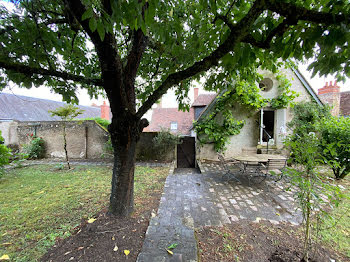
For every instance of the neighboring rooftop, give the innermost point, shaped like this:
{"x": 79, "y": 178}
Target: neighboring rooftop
{"x": 24, "y": 108}
{"x": 177, "y": 122}
{"x": 204, "y": 99}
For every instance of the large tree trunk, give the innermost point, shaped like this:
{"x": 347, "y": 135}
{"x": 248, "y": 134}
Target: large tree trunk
{"x": 125, "y": 132}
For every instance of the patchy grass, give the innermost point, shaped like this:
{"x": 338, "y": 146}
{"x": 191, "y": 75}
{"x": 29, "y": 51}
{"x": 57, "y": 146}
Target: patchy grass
{"x": 40, "y": 204}
{"x": 337, "y": 232}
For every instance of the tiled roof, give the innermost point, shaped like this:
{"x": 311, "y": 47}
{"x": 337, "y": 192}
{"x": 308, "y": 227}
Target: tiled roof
{"x": 204, "y": 99}
{"x": 345, "y": 103}
{"x": 162, "y": 118}
{"x": 24, "y": 108}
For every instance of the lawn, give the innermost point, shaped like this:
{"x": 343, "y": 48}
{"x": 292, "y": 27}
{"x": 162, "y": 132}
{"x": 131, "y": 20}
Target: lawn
{"x": 336, "y": 232}
{"x": 40, "y": 204}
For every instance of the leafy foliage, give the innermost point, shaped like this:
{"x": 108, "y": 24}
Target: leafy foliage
{"x": 286, "y": 96}
{"x": 333, "y": 133}
{"x": 35, "y": 149}
{"x": 102, "y": 122}
{"x": 335, "y": 146}
{"x": 315, "y": 196}
{"x": 306, "y": 115}
{"x": 4, "y": 155}
{"x": 165, "y": 141}
{"x": 66, "y": 113}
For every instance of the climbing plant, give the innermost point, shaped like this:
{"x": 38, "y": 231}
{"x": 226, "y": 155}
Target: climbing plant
{"x": 220, "y": 124}
{"x": 286, "y": 96}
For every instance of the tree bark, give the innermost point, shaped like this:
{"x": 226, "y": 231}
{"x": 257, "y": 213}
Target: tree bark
{"x": 125, "y": 132}
{"x": 65, "y": 144}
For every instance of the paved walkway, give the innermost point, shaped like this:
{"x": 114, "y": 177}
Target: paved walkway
{"x": 192, "y": 200}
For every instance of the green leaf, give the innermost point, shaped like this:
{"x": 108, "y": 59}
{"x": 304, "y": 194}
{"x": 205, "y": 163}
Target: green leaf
{"x": 101, "y": 30}
{"x": 172, "y": 246}
{"x": 87, "y": 14}
{"x": 93, "y": 24}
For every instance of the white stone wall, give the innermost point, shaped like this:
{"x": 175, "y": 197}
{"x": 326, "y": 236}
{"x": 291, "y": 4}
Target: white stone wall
{"x": 9, "y": 132}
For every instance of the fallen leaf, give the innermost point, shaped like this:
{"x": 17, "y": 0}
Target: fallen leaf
{"x": 126, "y": 252}
{"x": 6, "y": 244}
{"x": 172, "y": 246}
{"x": 5, "y": 257}
{"x": 258, "y": 219}
{"x": 41, "y": 192}
{"x": 80, "y": 248}
{"x": 116, "y": 248}
{"x": 278, "y": 214}
{"x": 113, "y": 238}
{"x": 170, "y": 252}
{"x": 91, "y": 220}
{"x": 67, "y": 253}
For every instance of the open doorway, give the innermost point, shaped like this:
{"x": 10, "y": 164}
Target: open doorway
{"x": 269, "y": 125}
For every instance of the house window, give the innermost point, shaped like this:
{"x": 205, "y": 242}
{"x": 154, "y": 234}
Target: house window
{"x": 266, "y": 84}
{"x": 173, "y": 126}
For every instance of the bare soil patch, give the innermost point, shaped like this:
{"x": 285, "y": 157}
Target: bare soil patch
{"x": 108, "y": 237}
{"x": 246, "y": 241}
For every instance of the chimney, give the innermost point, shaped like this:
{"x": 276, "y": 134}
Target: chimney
{"x": 195, "y": 93}
{"x": 105, "y": 111}
{"x": 330, "y": 94}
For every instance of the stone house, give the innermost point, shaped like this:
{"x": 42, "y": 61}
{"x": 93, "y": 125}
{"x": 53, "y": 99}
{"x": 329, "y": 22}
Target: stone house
{"x": 252, "y": 136}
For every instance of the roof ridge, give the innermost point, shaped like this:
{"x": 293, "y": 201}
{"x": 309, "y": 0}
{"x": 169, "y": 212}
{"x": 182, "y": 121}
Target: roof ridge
{"x": 40, "y": 99}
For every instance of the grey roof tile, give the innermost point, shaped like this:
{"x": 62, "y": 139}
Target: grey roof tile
{"x": 24, "y": 108}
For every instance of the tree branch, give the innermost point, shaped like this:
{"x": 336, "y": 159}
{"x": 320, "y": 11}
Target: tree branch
{"x": 110, "y": 61}
{"x": 237, "y": 34}
{"x": 277, "y": 31}
{"x": 29, "y": 71}
{"x": 300, "y": 13}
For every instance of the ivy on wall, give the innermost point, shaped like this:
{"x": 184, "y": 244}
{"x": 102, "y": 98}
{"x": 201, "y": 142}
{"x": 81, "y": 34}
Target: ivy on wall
{"x": 220, "y": 124}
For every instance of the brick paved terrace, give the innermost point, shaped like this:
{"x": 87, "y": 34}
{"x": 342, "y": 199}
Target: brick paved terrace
{"x": 193, "y": 199}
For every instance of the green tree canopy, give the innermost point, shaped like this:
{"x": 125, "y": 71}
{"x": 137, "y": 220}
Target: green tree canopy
{"x": 141, "y": 48}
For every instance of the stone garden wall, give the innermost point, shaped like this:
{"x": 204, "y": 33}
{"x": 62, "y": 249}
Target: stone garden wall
{"x": 85, "y": 140}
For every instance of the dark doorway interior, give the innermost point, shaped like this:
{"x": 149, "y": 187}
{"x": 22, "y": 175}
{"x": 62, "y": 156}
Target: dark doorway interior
{"x": 269, "y": 123}
{"x": 186, "y": 153}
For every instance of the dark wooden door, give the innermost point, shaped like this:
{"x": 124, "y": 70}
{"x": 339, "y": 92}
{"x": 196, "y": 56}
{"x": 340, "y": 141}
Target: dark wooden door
{"x": 186, "y": 153}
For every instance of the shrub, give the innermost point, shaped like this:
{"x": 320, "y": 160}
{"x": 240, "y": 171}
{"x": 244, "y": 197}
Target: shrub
{"x": 103, "y": 122}
{"x": 4, "y": 155}
{"x": 165, "y": 141}
{"x": 313, "y": 195}
{"x": 335, "y": 144}
{"x": 35, "y": 149}
{"x": 305, "y": 117}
